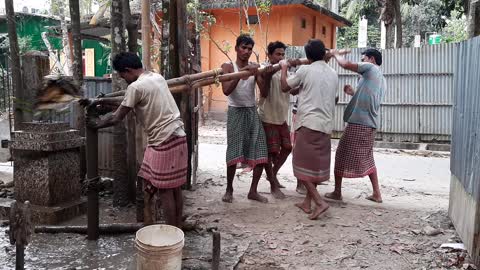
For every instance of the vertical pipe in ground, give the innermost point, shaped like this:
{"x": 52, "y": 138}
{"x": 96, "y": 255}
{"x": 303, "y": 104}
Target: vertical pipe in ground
{"x": 92, "y": 183}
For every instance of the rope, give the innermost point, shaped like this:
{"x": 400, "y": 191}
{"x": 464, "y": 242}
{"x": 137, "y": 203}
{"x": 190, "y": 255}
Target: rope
{"x": 216, "y": 78}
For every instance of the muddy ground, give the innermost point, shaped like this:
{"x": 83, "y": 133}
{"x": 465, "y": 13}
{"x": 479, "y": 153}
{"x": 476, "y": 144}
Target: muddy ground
{"x": 405, "y": 232}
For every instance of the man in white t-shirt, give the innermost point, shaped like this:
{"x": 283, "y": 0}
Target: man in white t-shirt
{"x": 164, "y": 167}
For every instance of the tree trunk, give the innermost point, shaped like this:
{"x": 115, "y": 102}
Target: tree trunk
{"x": 474, "y": 18}
{"x": 78, "y": 77}
{"x": 77, "y": 66}
{"x": 131, "y": 27}
{"x": 134, "y": 185}
{"x": 164, "y": 62}
{"x": 121, "y": 196}
{"x": 388, "y": 17}
{"x": 15, "y": 64}
{"x": 398, "y": 24}
{"x": 65, "y": 38}
{"x": 173, "y": 64}
{"x": 184, "y": 68}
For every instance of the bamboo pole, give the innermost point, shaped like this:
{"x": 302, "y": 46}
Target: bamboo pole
{"x": 194, "y": 77}
{"x": 232, "y": 76}
{"x": 197, "y": 80}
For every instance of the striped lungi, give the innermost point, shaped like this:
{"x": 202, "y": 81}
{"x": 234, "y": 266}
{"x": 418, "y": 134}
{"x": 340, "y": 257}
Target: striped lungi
{"x": 311, "y": 155}
{"x": 354, "y": 156}
{"x": 165, "y": 165}
{"x": 246, "y": 141}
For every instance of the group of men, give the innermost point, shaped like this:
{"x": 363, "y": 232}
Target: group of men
{"x": 258, "y": 134}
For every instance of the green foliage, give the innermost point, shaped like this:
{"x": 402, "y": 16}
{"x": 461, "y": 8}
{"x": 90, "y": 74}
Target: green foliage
{"x": 25, "y": 44}
{"x": 353, "y": 10}
{"x": 455, "y": 29}
{"x": 264, "y": 6}
{"x": 348, "y": 36}
{"x": 424, "y": 16}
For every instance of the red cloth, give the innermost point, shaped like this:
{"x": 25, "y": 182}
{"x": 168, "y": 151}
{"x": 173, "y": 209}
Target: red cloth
{"x": 278, "y": 136}
{"x": 165, "y": 165}
{"x": 354, "y": 156}
{"x": 311, "y": 155}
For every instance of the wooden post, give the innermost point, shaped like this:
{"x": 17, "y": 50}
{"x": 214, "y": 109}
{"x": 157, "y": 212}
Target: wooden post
{"x": 15, "y": 64}
{"x": 216, "y": 248}
{"x": 20, "y": 230}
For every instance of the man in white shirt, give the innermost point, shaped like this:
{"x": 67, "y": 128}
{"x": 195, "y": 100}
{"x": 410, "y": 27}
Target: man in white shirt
{"x": 314, "y": 123}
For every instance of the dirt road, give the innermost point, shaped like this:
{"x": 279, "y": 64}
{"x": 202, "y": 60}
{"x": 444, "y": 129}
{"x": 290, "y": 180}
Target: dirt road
{"x": 404, "y": 232}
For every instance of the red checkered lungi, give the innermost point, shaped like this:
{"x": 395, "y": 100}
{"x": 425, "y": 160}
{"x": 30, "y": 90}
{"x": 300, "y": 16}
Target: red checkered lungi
{"x": 278, "y": 136}
{"x": 354, "y": 156}
{"x": 165, "y": 166}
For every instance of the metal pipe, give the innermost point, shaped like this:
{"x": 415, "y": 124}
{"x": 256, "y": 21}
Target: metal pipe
{"x": 93, "y": 231}
{"x": 19, "y": 257}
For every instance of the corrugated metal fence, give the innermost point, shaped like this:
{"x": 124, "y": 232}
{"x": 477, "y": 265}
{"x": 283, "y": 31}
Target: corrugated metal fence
{"x": 465, "y": 160}
{"x": 418, "y": 102}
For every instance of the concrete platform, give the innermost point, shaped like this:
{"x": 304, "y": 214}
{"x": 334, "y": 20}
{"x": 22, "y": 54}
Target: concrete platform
{"x": 48, "y": 215}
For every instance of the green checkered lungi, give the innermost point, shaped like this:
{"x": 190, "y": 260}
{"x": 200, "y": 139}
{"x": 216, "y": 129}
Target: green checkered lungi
{"x": 246, "y": 141}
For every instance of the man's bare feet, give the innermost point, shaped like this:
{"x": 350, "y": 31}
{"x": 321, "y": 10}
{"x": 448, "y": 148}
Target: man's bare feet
{"x": 304, "y": 208}
{"x": 228, "y": 197}
{"x": 277, "y": 193}
{"x": 278, "y": 182}
{"x": 334, "y": 196}
{"x": 257, "y": 197}
{"x": 377, "y": 199}
{"x": 301, "y": 189}
{"x": 318, "y": 211}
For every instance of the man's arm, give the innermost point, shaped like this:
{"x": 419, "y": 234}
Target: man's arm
{"x": 110, "y": 120}
{"x": 264, "y": 81}
{"x": 228, "y": 86}
{"x": 295, "y": 91}
{"x": 113, "y": 94}
{"x": 344, "y": 63}
{"x": 283, "y": 77}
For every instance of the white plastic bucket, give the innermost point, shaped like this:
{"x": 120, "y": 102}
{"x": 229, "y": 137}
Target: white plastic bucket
{"x": 159, "y": 247}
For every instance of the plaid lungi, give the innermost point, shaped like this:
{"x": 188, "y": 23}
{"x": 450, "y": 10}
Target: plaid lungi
{"x": 278, "y": 137}
{"x": 354, "y": 156}
{"x": 311, "y": 155}
{"x": 246, "y": 141}
{"x": 165, "y": 165}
